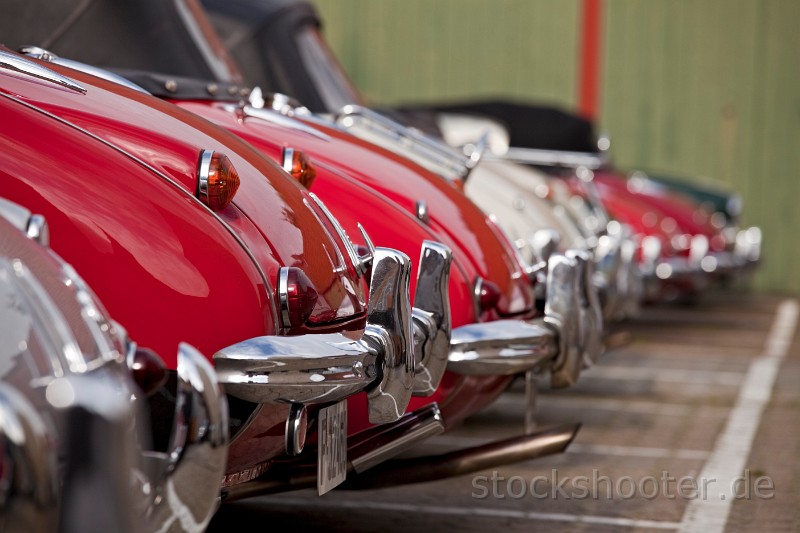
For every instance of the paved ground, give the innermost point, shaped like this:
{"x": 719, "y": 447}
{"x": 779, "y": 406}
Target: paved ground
{"x": 708, "y": 393}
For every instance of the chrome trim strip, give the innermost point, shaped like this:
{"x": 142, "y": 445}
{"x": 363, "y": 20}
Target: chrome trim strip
{"x": 283, "y": 295}
{"x": 427, "y": 151}
{"x": 288, "y": 156}
{"x": 329, "y": 367}
{"x": 46, "y": 55}
{"x": 555, "y": 158}
{"x": 361, "y": 264}
{"x": 27, "y": 67}
{"x": 275, "y": 117}
{"x": 203, "y": 171}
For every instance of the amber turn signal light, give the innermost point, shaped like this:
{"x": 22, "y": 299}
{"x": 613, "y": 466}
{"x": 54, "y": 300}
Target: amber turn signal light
{"x": 299, "y": 165}
{"x": 217, "y": 180}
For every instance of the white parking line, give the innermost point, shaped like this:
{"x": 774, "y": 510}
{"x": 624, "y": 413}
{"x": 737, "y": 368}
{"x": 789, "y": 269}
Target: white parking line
{"x": 709, "y": 514}
{"x": 467, "y": 511}
{"x": 672, "y": 375}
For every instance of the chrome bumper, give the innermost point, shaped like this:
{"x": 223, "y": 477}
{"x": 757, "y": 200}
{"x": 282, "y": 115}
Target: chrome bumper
{"x": 556, "y": 342}
{"x": 331, "y": 367}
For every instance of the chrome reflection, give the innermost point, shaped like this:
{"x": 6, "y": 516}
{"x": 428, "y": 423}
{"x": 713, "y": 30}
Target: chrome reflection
{"x": 501, "y": 347}
{"x": 431, "y": 317}
{"x": 330, "y": 367}
{"x": 193, "y": 467}
{"x": 29, "y": 475}
{"x": 562, "y": 312}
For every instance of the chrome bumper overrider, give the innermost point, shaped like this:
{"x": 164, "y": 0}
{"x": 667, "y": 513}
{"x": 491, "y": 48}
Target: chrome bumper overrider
{"x": 502, "y": 347}
{"x": 29, "y": 477}
{"x": 431, "y": 317}
{"x": 330, "y": 367}
{"x": 570, "y": 328}
{"x": 184, "y": 481}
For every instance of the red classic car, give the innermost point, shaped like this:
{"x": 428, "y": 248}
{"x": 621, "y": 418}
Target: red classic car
{"x": 456, "y": 220}
{"x": 184, "y": 231}
{"x": 73, "y": 430}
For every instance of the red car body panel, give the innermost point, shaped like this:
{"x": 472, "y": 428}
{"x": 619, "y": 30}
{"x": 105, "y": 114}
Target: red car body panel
{"x": 355, "y": 200}
{"x": 688, "y": 217}
{"x": 146, "y": 128}
{"x": 459, "y": 223}
{"x": 124, "y": 214}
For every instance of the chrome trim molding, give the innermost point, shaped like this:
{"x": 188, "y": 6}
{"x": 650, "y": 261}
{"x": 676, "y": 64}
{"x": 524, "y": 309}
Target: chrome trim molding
{"x": 283, "y": 296}
{"x": 203, "y": 171}
{"x": 554, "y": 158}
{"x": 427, "y": 151}
{"x": 329, "y": 367}
{"x": 288, "y": 155}
{"x": 50, "y": 57}
{"x": 360, "y": 263}
{"x": 27, "y": 67}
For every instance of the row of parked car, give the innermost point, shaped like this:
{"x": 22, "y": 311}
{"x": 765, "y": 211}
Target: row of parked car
{"x": 293, "y": 294}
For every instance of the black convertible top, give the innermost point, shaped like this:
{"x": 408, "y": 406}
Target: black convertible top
{"x": 157, "y": 35}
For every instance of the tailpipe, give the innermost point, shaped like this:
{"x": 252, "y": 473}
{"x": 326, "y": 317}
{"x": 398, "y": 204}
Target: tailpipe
{"x": 461, "y": 462}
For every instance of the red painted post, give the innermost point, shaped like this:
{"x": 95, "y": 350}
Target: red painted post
{"x": 591, "y": 51}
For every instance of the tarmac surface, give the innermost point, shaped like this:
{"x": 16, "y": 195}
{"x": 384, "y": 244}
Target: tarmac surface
{"x": 691, "y": 424}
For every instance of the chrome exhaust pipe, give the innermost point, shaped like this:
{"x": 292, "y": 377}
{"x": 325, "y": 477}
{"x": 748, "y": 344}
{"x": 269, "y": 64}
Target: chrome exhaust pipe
{"x": 467, "y": 461}
{"x": 293, "y": 476}
{"x": 364, "y": 451}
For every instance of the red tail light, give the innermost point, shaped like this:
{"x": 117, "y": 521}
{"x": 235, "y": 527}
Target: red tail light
{"x": 217, "y": 180}
{"x": 487, "y": 295}
{"x": 149, "y": 371}
{"x": 299, "y": 165}
{"x": 297, "y": 296}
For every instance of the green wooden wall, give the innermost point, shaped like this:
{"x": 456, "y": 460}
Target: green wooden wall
{"x": 708, "y": 89}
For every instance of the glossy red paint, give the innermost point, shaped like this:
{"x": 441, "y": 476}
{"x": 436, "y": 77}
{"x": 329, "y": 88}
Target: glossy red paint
{"x": 352, "y": 202}
{"x": 688, "y": 217}
{"x": 165, "y": 269}
{"x": 122, "y": 210}
{"x": 268, "y": 206}
{"x": 459, "y": 223}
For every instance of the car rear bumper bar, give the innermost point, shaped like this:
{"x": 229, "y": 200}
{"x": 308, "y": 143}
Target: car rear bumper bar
{"x": 330, "y": 367}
